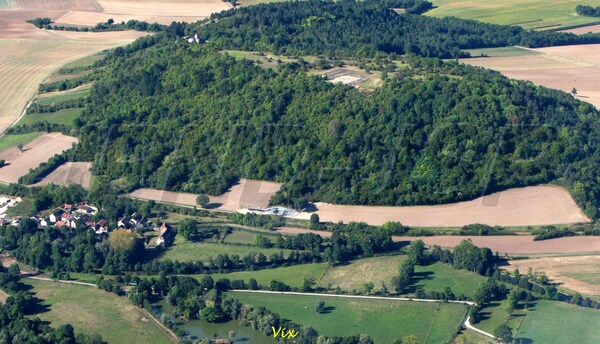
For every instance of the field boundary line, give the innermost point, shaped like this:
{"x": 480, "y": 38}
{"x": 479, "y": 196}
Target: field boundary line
{"x": 437, "y": 311}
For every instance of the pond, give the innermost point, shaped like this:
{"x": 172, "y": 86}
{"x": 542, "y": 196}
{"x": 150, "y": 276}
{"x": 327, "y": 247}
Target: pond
{"x": 202, "y": 329}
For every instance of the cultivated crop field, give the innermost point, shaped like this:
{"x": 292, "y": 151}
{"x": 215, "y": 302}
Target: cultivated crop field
{"x": 91, "y": 310}
{"x": 246, "y": 194}
{"x": 162, "y": 12}
{"x": 34, "y": 153}
{"x": 559, "y": 322}
{"x": 535, "y": 205}
{"x": 384, "y": 321}
{"x": 578, "y": 273}
{"x": 562, "y": 68}
{"x": 70, "y": 173}
{"x": 518, "y": 244}
{"x": 529, "y": 14}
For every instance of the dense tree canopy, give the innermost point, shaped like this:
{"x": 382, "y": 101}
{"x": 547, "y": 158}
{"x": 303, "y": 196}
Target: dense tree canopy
{"x": 362, "y": 28}
{"x": 184, "y": 117}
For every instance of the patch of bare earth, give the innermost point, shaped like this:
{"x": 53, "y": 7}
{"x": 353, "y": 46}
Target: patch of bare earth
{"x": 3, "y": 296}
{"x": 162, "y": 12}
{"x": 535, "y": 205}
{"x": 584, "y": 30}
{"x": 562, "y": 68}
{"x": 246, "y": 194}
{"x": 580, "y": 273}
{"x": 517, "y": 245}
{"x": 70, "y": 173}
{"x": 84, "y": 5}
{"x": 34, "y": 153}
{"x": 295, "y": 231}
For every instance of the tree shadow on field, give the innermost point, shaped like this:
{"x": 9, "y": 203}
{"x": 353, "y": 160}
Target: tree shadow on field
{"x": 523, "y": 341}
{"x": 327, "y": 309}
{"x": 213, "y": 205}
{"x": 416, "y": 279}
{"x": 484, "y": 315}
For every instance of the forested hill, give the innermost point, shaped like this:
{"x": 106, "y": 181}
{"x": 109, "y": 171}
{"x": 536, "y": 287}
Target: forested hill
{"x": 362, "y": 28}
{"x": 185, "y": 117}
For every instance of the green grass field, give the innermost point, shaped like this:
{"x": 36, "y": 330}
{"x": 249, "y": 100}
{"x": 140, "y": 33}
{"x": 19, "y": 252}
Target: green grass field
{"x": 91, "y": 310}
{"x": 65, "y": 117}
{"x": 434, "y": 277}
{"x": 190, "y": 251}
{"x": 529, "y": 14}
{"x": 384, "y": 321}
{"x": 246, "y": 237}
{"x": 14, "y": 140}
{"x": 500, "y": 52}
{"x": 292, "y": 275}
{"x": 496, "y": 313}
{"x": 79, "y": 64}
{"x": 63, "y": 96}
{"x": 559, "y": 322}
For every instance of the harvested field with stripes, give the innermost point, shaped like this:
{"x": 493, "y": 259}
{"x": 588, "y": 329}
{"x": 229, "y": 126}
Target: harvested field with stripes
{"x": 70, "y": 173}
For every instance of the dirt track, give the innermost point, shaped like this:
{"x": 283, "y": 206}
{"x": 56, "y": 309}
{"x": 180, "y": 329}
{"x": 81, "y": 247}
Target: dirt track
{"x": 70, "y": 173}
{"x": 535, "y": 205}
{"x": 34, "y": 153}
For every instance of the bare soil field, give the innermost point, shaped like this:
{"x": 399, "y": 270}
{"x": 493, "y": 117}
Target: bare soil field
{"x": 534, "y": 205}
{"x": 580, "y": 273}
{"x": 70, "y": 173}
{"x": 295, "y": 231}
{"x": 3, "y": 296}
{"x": 517, "y": 245}
{"x": 246, "y": 194}
{"x": 162, "y": 12}
{"x": 84, "y": 5}
{"x": 34, "y": 153}
{"x": 562, "y": 68}
{"x": 584, "y": 30}
{"x": 24, "y": 64}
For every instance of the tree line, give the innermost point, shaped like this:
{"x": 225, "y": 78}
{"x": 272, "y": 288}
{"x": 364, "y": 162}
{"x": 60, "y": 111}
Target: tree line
{"x": 362, "y": 28}
{"x": 588, "y": 11}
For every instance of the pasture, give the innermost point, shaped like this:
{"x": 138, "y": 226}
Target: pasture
{"x": 528, "y": 206}
{"x": 291, "y": 275}
{"x": 17, "y": 139}
{"x": 245, "y": 194}
{"x": 576, "y": 273}
{"x": 562, "y": 68}
{"x": 59, "y": 97}
{"x": 529, "y": 14}
{"x": 190, "y": 251}
{"x": 79, "y": 173}
{"x": 385, "y": 321}
{"x": 91, "y": 310}
{"x": 558, "y": 322}
{"x": 65, "y": 117}
{"x": 434, "y": 277}
{"x": 33, "y": 154}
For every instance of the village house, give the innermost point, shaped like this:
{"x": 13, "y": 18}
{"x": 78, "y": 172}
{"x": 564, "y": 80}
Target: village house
{"x": 166, "y": 234}
{"x": 56, "y": 216}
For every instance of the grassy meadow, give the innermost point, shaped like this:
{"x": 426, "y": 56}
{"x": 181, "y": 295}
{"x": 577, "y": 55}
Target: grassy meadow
{"x": 91, "y": 310}
{"x": 292, "y": 275}
{"x": 65, "y": 117}
{"x": 385, "y": 321}
{"x": 190, "y": 251}
{"x": 529, "y": 14}
{"x": 500, "y": 52}
{"x": 17, "y": 139}
{"x": 559, "y": 322}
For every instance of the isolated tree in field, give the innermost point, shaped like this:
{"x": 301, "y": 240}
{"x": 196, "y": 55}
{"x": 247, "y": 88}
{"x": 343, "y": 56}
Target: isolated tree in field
{"x": 314, "y": 221}
{"x": 202, "y": 200}
{"x": 407, "y": 269}
{"x": 504, "y": 333}
{"x": 231, "y": 335}
{"x": 2, "y": 163}
{"x": 320, "y": 307}
{"x": 110, "y": 21}
{"x": 574, "y": 91}
{"x": 20, "y": 147}
{"x": 513, "y": 300}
